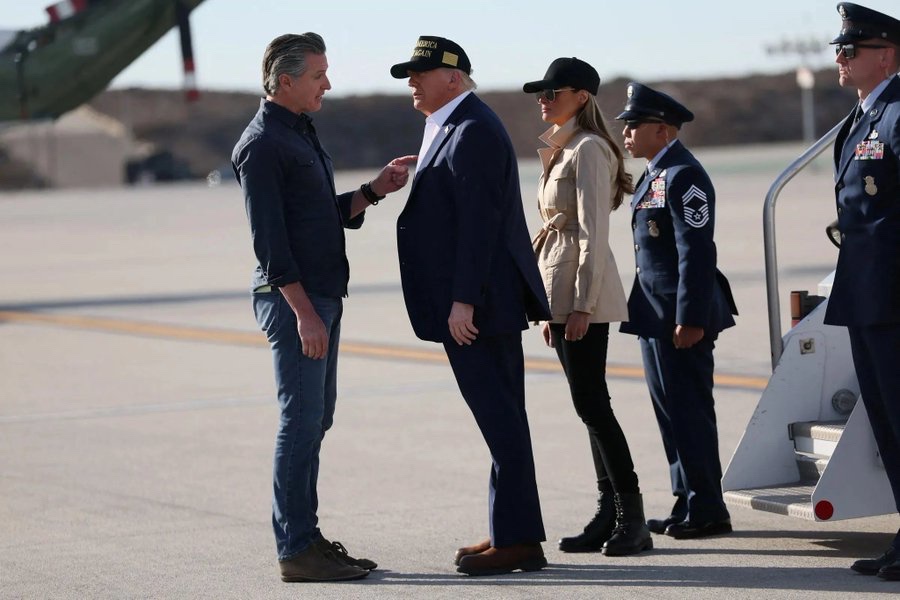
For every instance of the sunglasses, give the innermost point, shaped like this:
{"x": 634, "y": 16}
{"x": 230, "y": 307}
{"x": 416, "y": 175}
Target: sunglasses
{"x": 634, "y": 124}
{"x": 849, "y": 50}
{"x": 550, "y": 95}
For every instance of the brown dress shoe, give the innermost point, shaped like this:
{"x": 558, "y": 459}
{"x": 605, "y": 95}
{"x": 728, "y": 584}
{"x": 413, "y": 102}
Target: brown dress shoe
{"x": 314, "y": 565}
{"x": 497, "y": 561}
{"x": 474, "y": 549}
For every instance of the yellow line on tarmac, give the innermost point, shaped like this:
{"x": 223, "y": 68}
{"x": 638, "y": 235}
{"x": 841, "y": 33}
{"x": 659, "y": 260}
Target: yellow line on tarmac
{"x": 379, "y": 351}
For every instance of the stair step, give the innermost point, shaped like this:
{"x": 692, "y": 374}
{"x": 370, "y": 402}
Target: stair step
{"x": 793, "y": 500}
{"x": 817, "y": 439}
{"x": 811, "y": 467}
{"x": 827, "y": 431}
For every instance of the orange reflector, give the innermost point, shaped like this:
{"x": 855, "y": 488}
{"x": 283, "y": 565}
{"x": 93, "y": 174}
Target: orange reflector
{"x": 824, "y": 510}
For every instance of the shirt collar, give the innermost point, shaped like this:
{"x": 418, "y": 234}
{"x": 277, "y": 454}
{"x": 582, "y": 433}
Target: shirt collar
{"x": 440, "y": 116}
{"x": 559, "y": 135}
{"x": 869, "y": 101}
{"x": 652, "y": 164}
{"x": 280, "y": 113}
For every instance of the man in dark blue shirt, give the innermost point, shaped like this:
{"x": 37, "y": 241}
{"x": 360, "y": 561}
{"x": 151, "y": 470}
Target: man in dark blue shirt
{"x": 297, "y": 223}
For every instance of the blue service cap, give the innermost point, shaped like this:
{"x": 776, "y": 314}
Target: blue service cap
{"x": 861, "y": 23}
{"x": 645, "y": 103}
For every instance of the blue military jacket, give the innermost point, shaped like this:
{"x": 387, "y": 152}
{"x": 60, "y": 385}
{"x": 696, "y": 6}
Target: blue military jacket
{"x": 676, "y": 280}
{"x": 866, "y": 288}
{"x": 462, "y": 235}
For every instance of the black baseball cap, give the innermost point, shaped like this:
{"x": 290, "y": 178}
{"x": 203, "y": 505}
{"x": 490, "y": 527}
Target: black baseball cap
{"x": 860, "y": 23}
{"x": 566, "y": 72}
{"x": 433, "y": 52}
{"x": 644, "y": 103}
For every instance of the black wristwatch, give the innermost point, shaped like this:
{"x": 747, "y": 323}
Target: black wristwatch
{"x": 369, "y": 194}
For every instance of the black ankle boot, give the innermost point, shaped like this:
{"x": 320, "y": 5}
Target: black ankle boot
{"x": 597, "y": 531}
{"x": 631, "y": 534}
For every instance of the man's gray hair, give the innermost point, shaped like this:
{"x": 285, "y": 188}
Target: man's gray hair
{"x": 468, "y": 82}
{"x": 286, "y": 55}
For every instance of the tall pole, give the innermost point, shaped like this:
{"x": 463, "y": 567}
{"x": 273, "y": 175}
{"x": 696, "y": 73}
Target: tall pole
{"x": 805, "y": 49}
{"x": 807, "y": 81}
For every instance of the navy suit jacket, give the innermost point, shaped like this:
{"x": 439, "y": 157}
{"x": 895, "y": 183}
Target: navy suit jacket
{"x": 866, "y": 288}
{"x": 676, "y": 281}
{"x": 462, "y": 235}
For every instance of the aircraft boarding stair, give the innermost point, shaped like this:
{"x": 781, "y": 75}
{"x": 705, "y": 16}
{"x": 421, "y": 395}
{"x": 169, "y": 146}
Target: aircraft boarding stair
{"x": 808, "y": 450}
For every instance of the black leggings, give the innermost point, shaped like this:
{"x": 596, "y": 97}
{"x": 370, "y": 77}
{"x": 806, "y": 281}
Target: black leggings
{"x": 584, "y": 362}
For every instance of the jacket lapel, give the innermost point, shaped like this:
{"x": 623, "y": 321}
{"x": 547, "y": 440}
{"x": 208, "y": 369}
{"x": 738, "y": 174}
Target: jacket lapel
{"x": 866, "y": 124}
{"x": 641, "y": 188}
{"x": 670, "y": 157}
{"x": 443, "y": 134}
{"x": 858, "y": 134}
{"x": 438, "y": 141}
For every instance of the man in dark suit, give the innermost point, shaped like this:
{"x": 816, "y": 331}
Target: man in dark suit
{"x": 865, "y": 296}
{"x": 678, "y": 305}
{"x": 470, "y": 282}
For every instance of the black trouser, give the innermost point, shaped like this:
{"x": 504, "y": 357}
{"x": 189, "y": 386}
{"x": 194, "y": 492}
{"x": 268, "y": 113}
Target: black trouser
{"x": 584, "y": 362}
{"x": 875, "y": 349}
{"x": 491, "y": 376}
{"x": 680, "y": 382}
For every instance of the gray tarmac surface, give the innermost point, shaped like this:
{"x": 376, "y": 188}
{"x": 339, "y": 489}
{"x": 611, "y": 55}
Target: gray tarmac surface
{"x": 137, "y": 413}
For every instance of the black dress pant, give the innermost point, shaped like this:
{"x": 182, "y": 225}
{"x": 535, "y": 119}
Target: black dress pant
{"x": 491, "y": 377}
{"x": 875, "y": 350}
{"x": 584, "y": 362}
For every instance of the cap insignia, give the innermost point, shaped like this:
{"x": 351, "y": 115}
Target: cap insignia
{"x": 450, "y": 59}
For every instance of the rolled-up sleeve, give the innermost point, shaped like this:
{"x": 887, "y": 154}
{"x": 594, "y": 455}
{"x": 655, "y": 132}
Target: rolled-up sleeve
{"x": 259, "y": 171}
{"x": 344, "y": 201}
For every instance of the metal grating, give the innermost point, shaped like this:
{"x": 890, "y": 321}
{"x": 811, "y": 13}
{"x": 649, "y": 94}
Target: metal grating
{"x": 794, "y": 500}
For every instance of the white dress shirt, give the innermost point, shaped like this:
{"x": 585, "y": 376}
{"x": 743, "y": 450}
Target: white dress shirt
{"x": 433, "y": 124}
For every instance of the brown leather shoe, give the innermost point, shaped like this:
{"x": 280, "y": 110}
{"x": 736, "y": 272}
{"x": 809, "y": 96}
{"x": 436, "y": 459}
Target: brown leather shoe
{"x": 474, "y": 549}
{"x": 313, "y": 565}
{"x": 497, "y": 561}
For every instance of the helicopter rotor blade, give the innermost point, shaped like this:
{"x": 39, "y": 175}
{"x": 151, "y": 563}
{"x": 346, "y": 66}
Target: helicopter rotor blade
{"x": 182, "y": 13}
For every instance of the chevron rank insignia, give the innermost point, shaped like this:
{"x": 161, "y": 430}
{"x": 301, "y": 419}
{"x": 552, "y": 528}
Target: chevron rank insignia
{"x": 696, "y": 207}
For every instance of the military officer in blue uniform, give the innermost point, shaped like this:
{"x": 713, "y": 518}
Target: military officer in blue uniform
{"x": 678, "y": 305}
{"x": 865, "y": 296}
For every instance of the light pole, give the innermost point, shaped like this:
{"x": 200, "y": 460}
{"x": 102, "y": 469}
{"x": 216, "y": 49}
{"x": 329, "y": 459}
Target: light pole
{"x": 805, "y": 49}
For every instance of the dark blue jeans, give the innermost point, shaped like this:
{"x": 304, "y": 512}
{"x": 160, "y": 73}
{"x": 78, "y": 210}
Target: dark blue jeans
{"x": 307, "y": 390}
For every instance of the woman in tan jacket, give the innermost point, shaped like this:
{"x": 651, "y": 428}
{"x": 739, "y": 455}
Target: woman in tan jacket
{"x": 583, "y": 180}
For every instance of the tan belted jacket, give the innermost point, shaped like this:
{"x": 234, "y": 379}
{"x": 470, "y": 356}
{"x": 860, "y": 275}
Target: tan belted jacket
{"x": 575, "y": 198}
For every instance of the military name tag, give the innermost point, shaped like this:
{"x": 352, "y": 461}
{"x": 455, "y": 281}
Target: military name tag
{"x": 869, "y": 150}
{"x": 656, "y": 198}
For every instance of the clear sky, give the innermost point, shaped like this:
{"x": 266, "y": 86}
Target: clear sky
{"x": 509, "y": 42}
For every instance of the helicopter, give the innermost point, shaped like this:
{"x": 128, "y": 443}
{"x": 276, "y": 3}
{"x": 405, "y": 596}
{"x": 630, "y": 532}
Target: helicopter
{"x": 50, "y": 70}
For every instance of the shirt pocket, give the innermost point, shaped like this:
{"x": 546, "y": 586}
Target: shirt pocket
{"x": 308, "y": 193}
{"x": 560, "y": 189}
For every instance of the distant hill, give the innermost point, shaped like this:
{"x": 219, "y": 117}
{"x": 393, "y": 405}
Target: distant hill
{"x": 367, "y": 131}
